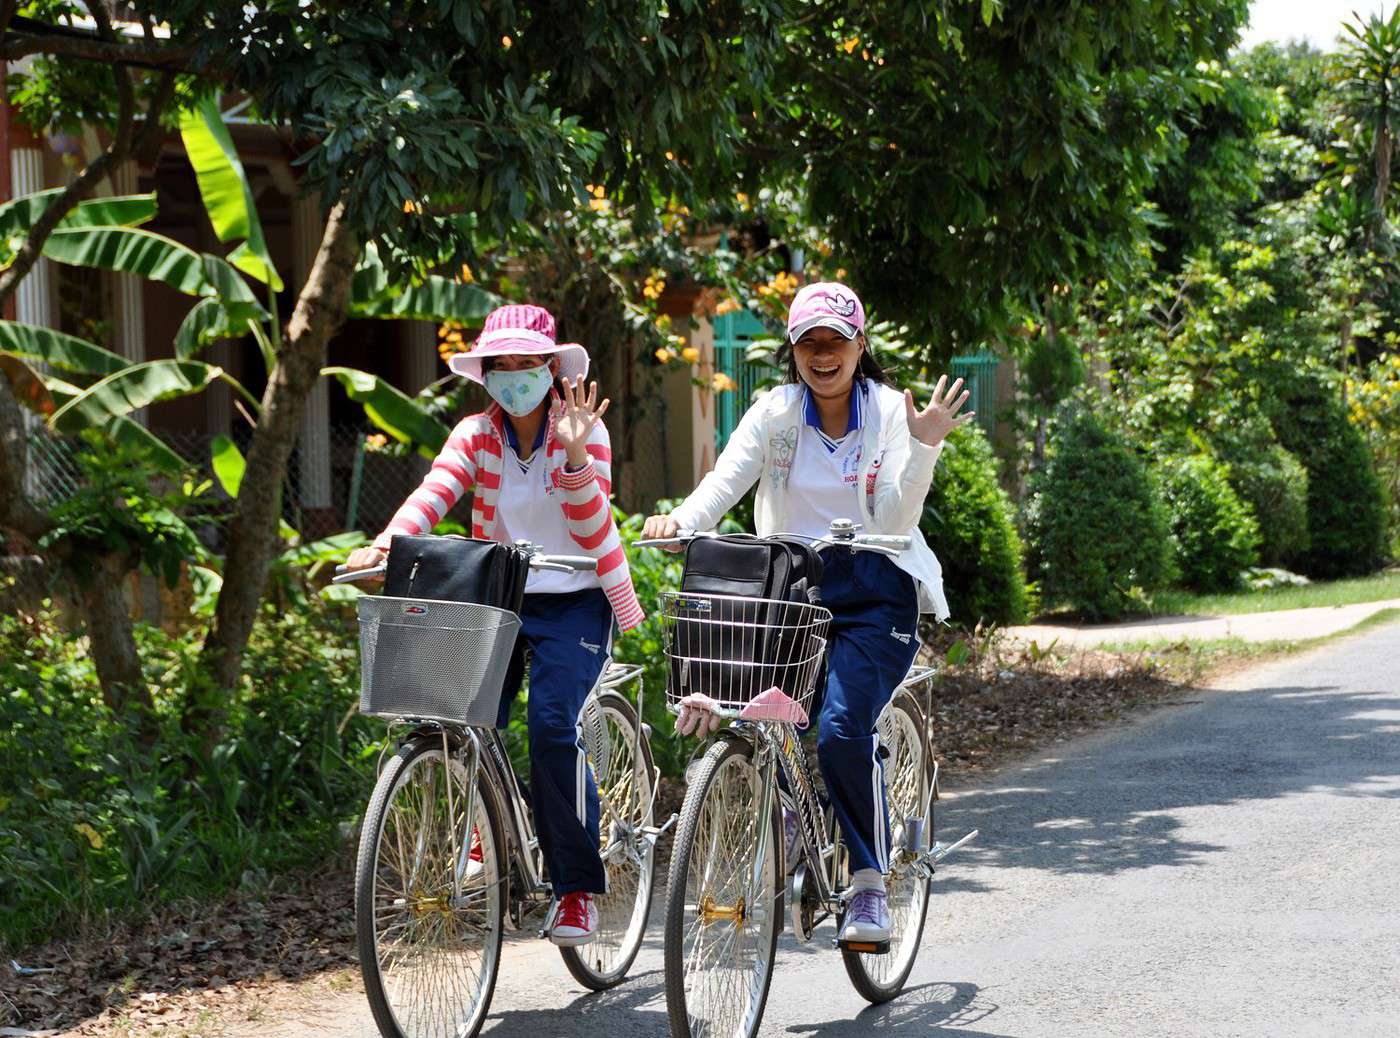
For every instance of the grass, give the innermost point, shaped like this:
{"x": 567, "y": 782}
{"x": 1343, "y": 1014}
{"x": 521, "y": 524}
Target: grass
{"x": 1375, "y": 588}
{"x": 1190, "y": 662}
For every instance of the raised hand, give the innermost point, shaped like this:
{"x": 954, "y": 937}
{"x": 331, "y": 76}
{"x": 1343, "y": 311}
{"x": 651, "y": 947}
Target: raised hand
{"x": 579, "y": 412}
{"x": 940, "y": 417}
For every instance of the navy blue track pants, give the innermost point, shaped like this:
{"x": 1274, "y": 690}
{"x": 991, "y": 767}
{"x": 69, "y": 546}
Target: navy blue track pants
{"x": 874, "y": 637}
{"x": 568, "y": 637}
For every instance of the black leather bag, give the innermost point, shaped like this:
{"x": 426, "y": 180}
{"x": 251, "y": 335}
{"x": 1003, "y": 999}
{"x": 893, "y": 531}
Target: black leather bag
{"x": 456, "y": 569}
{"x": 730, "y": 651}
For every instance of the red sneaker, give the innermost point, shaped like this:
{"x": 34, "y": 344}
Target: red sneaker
{"x": 575, "y": 920}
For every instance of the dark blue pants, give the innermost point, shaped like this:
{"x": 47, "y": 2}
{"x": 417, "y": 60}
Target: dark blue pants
{"x": 875, "y": 612}
{"x": 568, "y": 637}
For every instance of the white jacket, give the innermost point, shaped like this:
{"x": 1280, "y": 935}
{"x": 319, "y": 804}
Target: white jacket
{"x": 895, "y": 472}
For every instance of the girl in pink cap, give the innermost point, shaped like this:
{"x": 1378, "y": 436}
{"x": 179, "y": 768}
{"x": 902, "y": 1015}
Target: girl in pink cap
{"x": 836, "y": 441}
{"x": 538, "y": 462}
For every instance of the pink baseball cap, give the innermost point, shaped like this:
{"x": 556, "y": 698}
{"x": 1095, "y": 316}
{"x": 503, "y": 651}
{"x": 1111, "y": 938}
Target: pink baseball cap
{"x": 825, "y": 304}
{"x": 520, "y": 328}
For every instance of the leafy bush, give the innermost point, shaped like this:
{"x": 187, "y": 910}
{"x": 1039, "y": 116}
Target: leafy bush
{"x": 1098, "y": 532}
{"x": 91, "y": 821}
{"x": 1214, "y": 536}
{"x": 1346, "y": 513}
{"x": 969, "y": 525}
{"x": 1274, "y": 484}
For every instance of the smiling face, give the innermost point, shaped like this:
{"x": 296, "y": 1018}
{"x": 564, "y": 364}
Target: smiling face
{"x": 827, "y": 361}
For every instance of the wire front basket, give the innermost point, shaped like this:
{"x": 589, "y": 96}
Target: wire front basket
{"x": 733, "y": 649}
{"x": 437, "y": 661}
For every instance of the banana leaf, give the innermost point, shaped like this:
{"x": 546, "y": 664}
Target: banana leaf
{"x": 59, "y": 350}
{"x": 133, "y": 388}
{"x": 389, "y": 409}
{"x": 228, "y": 197}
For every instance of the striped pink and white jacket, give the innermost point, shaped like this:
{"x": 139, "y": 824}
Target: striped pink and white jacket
{"x": 471, "y": 459}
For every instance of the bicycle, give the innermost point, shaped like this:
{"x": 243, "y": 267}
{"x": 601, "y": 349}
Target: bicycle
{"x": 448, "y": 859}
{"x": 726, "y": 885}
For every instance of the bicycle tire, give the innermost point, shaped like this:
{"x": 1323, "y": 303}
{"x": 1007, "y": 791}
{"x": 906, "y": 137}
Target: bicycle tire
{"x": 420, "y": 911}
{"x": 707, "y": 797}
{"x": 604, "y": 962}
{"x": 879, "y": 978}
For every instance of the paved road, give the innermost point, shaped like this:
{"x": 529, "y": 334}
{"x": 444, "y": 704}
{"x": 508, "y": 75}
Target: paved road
{"x": 1226, "y": 866}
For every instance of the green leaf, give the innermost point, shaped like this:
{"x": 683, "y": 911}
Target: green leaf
{"x": 392, "y": 411}
{"x": 228, "y": 464}
{"x": 126, "y": 431}
{"x": 58, "y": 350}
{"x": 435, "y": 299}
{"x": 20, "y": 214}
{"x": 223, "y": 184}
{"x": 131, "y": 389}
{"x": 131, "y": 250}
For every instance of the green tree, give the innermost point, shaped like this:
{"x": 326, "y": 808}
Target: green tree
{"x": 1098, "y": 532}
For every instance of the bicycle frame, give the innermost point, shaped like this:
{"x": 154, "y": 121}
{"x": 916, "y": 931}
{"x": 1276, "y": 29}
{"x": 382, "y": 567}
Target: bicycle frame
{"x": 485, "y": 748}
{"x": 778, "y": 747}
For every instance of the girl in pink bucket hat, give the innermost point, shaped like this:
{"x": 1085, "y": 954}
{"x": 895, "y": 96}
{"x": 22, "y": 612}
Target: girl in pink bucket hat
{"x": 538, "y": 462}
{"x": 838, "y": 442}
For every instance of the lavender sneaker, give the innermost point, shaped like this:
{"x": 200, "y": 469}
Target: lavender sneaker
{"x": 868, "y": 918}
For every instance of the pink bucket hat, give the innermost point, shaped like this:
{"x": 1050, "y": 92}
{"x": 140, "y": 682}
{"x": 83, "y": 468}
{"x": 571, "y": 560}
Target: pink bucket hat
{"x": 520, "y": 329}
{"x": 825, "y": 304}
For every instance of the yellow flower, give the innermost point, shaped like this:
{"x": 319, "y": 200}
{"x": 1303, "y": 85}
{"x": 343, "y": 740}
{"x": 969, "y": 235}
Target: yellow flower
{"x": 410, "y": 206}
{"x": 727, "y": 305}
{"x": 93, "y": 836}
{"x": 506, "y": 41}
{"x": 467, "y": 276}
{"x": 664, "y": 355}
{"x": 722, "y": 383}
{"x": 691, "y": 354}
{"x": 851, "y": 44}
{"x": 376, "y": 442}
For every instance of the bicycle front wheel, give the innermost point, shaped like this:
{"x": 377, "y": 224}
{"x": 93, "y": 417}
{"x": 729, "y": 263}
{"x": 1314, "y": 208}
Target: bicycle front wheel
{"x": 725, "y": 903}
{"x": 625, "y": 807}
{"x": 428, "y": 913}
{"x": 880, "y": 978}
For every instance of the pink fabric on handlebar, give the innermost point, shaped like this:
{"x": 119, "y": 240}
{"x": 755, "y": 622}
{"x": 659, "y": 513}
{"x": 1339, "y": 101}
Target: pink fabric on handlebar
{"x": 774, "y": 705}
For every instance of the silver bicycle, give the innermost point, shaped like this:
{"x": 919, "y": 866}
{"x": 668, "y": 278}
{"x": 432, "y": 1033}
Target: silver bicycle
{"x": 729, "y": 873}
{"x": 448, "y": 859}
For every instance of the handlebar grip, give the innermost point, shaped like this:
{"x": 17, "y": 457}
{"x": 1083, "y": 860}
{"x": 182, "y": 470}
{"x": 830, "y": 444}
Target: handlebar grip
{"x": 885, "y": 540}
{"x": 573, "y": 562}
{"x": 345, "y": 576}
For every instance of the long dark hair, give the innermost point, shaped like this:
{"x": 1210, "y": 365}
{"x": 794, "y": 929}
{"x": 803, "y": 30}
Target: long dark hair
{"x": 868, "y": 367}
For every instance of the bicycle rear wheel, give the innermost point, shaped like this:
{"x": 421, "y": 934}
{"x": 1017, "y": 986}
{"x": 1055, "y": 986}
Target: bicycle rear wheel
{"x": 880, "y": 978}
{"x": 429, "y": 949}
{"x": 725, "y": 902}
{"x": 625, "y": 806}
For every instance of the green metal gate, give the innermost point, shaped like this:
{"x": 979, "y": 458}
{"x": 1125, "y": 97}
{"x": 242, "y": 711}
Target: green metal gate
{"x": 979, "y": 374}
{"x": 734, "y": 333}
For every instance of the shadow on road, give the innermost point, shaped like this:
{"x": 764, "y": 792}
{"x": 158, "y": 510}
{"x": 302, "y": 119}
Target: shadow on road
{"x": 637, "y": 1006}
{"x": 1061, "y": 815}
{"x": 940, "y": 1008}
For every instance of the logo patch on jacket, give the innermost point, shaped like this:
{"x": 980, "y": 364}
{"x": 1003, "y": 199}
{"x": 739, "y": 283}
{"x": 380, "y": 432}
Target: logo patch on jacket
{"x": 897, "y": 636}
{"x": 591, "y": 648}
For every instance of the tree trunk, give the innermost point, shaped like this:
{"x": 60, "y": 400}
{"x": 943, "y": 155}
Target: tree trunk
{"x": 252, "y": 533}
{"x": 110, "y": 638}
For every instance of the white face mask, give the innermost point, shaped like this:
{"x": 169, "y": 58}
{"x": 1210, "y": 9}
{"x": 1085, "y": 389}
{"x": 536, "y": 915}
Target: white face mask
{"x": 519, "y": 392}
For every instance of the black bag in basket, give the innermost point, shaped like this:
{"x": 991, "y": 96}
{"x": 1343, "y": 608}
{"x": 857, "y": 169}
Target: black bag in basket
{"x": 732, "y": 651}
{"x": 456, "y": 569}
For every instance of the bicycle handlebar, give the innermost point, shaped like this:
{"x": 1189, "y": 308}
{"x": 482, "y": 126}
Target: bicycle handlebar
{"x": 842, "y": 536}
{"x": 555, "y": 563}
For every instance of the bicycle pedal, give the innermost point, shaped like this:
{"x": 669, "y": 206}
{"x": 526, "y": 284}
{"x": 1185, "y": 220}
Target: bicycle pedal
{"x": 865, "y": 947}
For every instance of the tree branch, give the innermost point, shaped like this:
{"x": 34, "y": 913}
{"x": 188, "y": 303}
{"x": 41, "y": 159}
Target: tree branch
{"x": 95, "y": 171}
{"x": 142, "y": 55}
